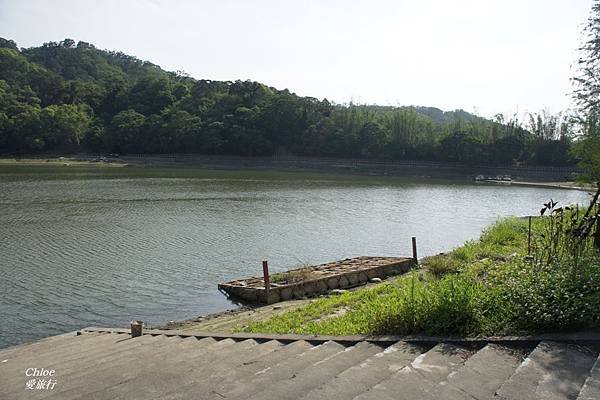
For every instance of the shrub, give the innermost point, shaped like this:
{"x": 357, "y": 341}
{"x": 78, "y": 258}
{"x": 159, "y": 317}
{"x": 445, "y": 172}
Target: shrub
{"x": 441, "y": 265}
{"x": 436, "y": 307}
{"x": 550, "y": 297}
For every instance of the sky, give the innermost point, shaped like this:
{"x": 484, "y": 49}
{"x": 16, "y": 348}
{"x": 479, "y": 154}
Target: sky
{"x": 483, "y": 56}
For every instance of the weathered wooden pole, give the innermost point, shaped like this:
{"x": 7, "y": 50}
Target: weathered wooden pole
{"x": 266, "y": 278}
{"x": 414, "y": 250}
{"x": 597, "y": 233}
{"x": 136, "y": 328}
{"x": 529, "y": 238}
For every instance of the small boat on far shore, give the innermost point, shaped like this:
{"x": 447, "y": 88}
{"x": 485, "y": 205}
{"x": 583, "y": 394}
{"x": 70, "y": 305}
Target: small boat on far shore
{"x": 501, "y": 179}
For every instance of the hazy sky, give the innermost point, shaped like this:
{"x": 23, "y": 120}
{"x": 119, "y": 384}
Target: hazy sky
{"x": 485, "y": 56}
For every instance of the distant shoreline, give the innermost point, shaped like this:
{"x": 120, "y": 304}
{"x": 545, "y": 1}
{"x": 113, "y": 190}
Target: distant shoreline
{"x": 554, "y": 185}
{"x": 58, "y": 161}
{"x": 535, "y": 176}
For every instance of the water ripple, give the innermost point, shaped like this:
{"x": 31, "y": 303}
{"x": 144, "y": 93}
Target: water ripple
{"x": 100, "y": 251}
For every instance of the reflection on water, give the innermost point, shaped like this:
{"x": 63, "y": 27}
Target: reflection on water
{"x": 82, "y": 247}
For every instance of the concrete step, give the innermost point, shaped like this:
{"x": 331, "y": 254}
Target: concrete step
{"x": 129, "y": 367}
{"x": 89, "y": 351}
{"x": 81, "y": 370}
{"x": 162, "y": 380}
{"x": 591, "y": 387}
{"x": 71, "y": 363}
{"x": 114, "y": 366}
{"x": 417, "y": 379}
{"x": 247, "y": 386}
{"x": 58, "y": 340}
{"x": 50, "y": 349}
{"x": 293, "y": 386}
{"x": 47, "y": 356}
{"x": 481, "y": 375}
{"x": 551, "y": 371}
{"x": 161, "y": 346}
{"x": 362, "y": 376}
{"x": 226, "y": 366}
{"x": 118, "y": 354}
{"x": 247, "y": 368}
{"x": 199, "y": 387}
{"x": 108, "y": 357}
{"x": 103, "y": 354}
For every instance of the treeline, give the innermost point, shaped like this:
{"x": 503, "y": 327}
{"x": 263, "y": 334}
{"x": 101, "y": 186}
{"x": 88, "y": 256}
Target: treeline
{"x": 71, "y": 97}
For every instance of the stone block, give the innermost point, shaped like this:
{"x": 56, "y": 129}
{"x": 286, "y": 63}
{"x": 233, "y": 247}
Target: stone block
{"x": 352, "y": 278}
{"x": 332, "y": 283}
{"x": 372, "y": 273}
{"x": 298, "y": 292}
{"x": 286, "y": 294}
{"x": 362, "y": 277}
{"x": 310, "y": 288}
{"x": 321, "y": 286}
{"x": 274, "y": 297}
{"x": 344, "y": 282}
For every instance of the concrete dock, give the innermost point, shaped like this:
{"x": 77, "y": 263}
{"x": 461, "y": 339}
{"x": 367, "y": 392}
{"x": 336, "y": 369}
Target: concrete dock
{"x": 317, "y": 279}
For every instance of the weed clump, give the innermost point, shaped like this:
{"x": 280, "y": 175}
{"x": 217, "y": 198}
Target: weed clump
{"x": 300, "y": 274}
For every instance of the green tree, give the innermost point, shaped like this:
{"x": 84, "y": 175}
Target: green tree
{"x": 26, "y": 129}
{"x": 8, "y": 44}
{"x": 64, "y": 125}
{"x": 587, "y": 95}
{"x": 66, "y": 95}
{"x": 125, "y": 130}
{"x": 587, "y": 148}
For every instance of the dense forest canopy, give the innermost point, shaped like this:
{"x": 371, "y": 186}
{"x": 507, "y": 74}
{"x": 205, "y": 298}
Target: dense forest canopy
{"x": 71, "y": 97}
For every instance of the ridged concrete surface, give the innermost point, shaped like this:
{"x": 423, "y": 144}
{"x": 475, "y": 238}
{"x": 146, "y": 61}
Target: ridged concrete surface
{"x": 112, "y": 365}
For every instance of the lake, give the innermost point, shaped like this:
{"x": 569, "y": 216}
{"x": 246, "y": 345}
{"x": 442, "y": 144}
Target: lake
{"x": 83, "y": 246}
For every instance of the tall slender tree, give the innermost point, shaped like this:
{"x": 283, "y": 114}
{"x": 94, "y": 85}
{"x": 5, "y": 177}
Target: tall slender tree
{"x": 586, "y": 94}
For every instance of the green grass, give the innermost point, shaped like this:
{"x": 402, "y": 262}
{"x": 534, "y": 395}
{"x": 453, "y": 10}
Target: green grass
{"x": 484, "y": 287}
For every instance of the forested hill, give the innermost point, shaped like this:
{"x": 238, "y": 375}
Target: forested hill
{"x": 71, "y": 97}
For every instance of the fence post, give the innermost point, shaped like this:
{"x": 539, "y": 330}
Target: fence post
{"x": 136, "y": 328}
{"x": 414, "y": 250}
{"x": 597, "y": 233}
{"x": 529, "y": 238}
{"x": 265, "y": 264}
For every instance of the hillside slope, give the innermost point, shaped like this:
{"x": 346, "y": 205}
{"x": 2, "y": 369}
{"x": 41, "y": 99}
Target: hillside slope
{"x": 69, "y": 97}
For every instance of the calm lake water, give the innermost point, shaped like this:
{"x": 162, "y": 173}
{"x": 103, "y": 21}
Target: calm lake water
{"x": 83, "y": 246}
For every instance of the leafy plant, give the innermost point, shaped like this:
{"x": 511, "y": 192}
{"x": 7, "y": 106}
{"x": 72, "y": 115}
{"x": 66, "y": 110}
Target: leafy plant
{"x": 566, "y": 232}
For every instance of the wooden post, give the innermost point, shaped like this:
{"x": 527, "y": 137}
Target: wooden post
{"x": 136, "y": 328}
{"x": 414, "y": 249}
{"x": 266, "y": 277}
{"x": 529, "y": 238}
{"x": 597, "y": 233}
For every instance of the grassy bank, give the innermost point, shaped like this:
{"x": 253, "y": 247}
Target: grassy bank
{"x": 485, "y": 287}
